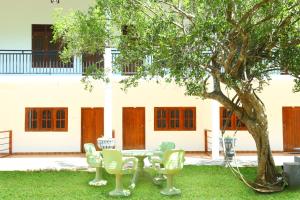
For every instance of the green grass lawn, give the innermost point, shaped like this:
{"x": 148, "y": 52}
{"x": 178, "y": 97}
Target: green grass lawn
{"x": 195, "y": 182}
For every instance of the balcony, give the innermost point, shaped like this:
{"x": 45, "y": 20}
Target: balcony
{"x": 48, "y": 63}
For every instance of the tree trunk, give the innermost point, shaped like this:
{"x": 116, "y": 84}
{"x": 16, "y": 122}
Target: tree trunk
{"x": 268, "y": 179}
{"x": 266, "y": 170}
{"x": 251, "y": 111}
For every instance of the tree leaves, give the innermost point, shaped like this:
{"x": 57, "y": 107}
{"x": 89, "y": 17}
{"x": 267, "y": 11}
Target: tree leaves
{"x": 190, "y": 40}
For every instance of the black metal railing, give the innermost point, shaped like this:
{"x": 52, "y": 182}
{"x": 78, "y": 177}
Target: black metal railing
{"x": 131, "y": 68}
{"x": 48, "y": 59}
{"x": 96, "y": 61}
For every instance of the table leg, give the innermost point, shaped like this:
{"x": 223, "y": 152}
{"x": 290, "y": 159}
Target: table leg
{"x": 139, "y": 172}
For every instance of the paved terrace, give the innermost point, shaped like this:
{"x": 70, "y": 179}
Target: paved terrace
{"x": 78, "y": 161}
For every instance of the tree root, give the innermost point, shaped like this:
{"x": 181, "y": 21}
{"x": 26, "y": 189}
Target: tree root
{"x": 278, "y": 186}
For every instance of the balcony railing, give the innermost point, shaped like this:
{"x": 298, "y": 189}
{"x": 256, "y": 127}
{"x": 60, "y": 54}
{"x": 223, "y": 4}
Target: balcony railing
{"x": 129, "y": 69}
{"x": 42, "y": 62}
{"x": 36, "y": 62}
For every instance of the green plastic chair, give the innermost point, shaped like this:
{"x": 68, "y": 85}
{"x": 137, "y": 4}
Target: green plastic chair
{"x": 115, "y": 163}
{"x": 157, "y": 156}
{"x": 94, "y": 159}
{"x": 173, "y": 161}
{"x": 157, "y": 159}
{"x": 164, "y": 146}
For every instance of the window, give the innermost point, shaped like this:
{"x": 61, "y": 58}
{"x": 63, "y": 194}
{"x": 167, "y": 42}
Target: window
{"x": 32, "y": 116}
{"x": 188, "y": 119}
{"x": 44, "y": 51}
{"x": 174, "y": 118}
{"x": 161, "y": 118}
{"x": 60, "y": 118}
{"x": 229, "y": 121}
{"x": 46, "y": 119}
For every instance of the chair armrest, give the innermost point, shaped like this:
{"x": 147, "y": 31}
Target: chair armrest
{"x": 156, "y": 162}
{"x": 127, "y": 160}
{"x": 157, "y": 153}
{"x": 156, "y": 159}
{"x": 93, "y": 160}
{"x": 97, "y": 154}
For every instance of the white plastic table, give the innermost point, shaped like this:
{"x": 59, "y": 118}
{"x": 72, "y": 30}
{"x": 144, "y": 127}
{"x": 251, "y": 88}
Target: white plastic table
{"x": 140, "y": 154}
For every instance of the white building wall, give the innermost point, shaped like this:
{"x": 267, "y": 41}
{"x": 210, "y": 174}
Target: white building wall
{"x": 150, "y": 95}
{"x": 16, "y": 17}
{"x": 18, "y": 92}
{"x": 67, "y": 91}
{"x": 276, "y": 95}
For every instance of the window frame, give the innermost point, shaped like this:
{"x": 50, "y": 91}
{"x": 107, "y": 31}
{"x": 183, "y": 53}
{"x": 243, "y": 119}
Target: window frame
{"x": 49, "y": 52}
{"x": 169, "y": 119}
{"x": 39, "y": 111}
{"x": 234, "y": 120}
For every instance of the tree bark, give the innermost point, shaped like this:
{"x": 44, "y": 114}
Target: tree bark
{"x": 266, "y": 170}
{"x": 268, "y": 178}
{"x": 251, "y": 112}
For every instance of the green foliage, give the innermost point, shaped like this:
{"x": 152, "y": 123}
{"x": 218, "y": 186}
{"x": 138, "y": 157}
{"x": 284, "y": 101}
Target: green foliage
{"x": 235, "y": 42}
{"x": 202, "y": 45}
{"x": 80, "y": 32}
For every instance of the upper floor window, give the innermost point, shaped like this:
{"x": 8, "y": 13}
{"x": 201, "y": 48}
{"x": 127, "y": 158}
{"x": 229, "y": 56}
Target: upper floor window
{"x": 229, "y": 121}
{"x": 46, "y": 119}
{"x": 44, "y": 51}
{"x": 174, "y": 118}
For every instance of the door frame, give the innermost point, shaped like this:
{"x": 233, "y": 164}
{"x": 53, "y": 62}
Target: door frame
{"x": 81, "y": 124}
{"x": 144, "y": 141}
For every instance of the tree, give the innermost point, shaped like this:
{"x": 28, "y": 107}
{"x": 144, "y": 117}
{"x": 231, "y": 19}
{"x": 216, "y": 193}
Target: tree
{"x": 207, "y": 46}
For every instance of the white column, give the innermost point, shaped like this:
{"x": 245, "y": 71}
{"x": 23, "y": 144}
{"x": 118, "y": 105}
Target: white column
{"x": 215, "y": 147}
{"x": 108, "y": 94}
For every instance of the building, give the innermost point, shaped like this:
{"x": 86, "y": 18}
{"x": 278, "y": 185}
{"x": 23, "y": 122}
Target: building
{"x": 45, "y": 104}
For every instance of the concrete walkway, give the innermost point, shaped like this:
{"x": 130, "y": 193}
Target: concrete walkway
{"x": 67, "y": 162}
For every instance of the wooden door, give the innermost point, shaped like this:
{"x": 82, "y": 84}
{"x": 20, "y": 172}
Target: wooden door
{"x": 291, "y": 128}
{"x": 44, "y": 52}
{"x": 134, "y": 128}
{"x": 92, "y": 125}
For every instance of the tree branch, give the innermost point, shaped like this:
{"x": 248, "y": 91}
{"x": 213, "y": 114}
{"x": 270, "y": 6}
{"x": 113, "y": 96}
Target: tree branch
{"x": 155, "y": 13}
{"x": 252, "y": 11}
{"x": 180, "y": 11}
{"x": 242, "y": 55}
{"x": 229, "y": 12}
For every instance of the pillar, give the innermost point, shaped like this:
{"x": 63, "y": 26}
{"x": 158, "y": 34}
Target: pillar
{"x": 215, "y": 148}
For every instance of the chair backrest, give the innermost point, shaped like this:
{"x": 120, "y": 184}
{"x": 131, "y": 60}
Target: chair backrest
{"x": 112, "y": 159}
{"x": 164, "y": 146}
{"x": 93, "y": 157}
{"x": 89, "y": 148}
{"x": 173, "y": 160}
